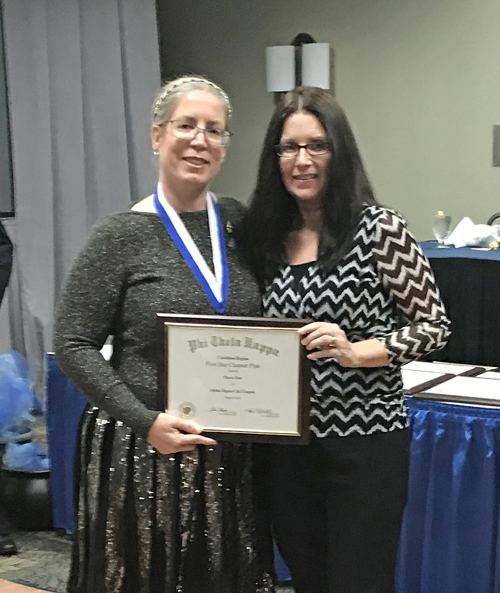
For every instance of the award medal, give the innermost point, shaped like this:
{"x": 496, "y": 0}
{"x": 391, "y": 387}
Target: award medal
{"x": 215, "y": 285}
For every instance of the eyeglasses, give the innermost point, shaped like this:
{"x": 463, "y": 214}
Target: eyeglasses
{"x": 188, "y": 131}
{"x": 292, "y": 149}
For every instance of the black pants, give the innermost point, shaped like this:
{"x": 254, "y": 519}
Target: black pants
{"x": 337, "y": 506}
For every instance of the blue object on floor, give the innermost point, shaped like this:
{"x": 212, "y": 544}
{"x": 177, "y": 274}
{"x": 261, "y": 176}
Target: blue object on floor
{"x": 16, "y": 397}
{"x": 65, "y": 405}
{"x": 27, "y": 456}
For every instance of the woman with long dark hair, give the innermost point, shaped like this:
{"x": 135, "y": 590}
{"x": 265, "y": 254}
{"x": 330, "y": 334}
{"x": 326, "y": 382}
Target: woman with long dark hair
{"x": 323, "y": 249}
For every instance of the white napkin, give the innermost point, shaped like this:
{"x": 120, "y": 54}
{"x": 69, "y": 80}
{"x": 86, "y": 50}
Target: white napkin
{"x": 468, "y": 234}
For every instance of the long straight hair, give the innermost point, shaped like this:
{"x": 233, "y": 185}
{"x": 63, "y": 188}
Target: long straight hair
{"x": 273, "y": 212}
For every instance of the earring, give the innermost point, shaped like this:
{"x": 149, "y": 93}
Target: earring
{"x": 155, "y": 152}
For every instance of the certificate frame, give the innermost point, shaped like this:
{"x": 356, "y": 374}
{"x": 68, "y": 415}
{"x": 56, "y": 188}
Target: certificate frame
{"x": 225, "y": 324}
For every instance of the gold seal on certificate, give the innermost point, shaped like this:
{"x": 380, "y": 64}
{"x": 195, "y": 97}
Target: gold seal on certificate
{"x": 242, "y": 379}
{"x": 187, "y": 410}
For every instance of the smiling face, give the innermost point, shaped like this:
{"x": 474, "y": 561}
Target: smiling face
{"x": 304, "y": 176}
{"x": 195, "y": 162}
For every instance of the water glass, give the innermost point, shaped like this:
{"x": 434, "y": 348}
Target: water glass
{"x": 441, "y": 226}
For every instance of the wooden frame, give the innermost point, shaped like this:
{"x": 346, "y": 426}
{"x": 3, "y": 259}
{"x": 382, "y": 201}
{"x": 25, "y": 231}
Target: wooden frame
{"x": 167, "y": 323}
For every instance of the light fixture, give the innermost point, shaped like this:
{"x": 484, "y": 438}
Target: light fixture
{"x": 316, "y": 65}
{"x": 280, "y": 68}
{"x": 303, "y": 63}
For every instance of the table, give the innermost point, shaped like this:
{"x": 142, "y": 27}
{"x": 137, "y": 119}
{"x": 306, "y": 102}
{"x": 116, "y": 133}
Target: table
{"x": 469, "y": 281}
{"x": 450, "y": 540}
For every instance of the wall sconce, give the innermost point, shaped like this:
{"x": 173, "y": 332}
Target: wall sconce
{"x": 280, "y": 68}
{"x": 303, "y": 63}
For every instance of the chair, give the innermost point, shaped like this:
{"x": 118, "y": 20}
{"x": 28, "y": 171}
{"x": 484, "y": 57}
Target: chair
{"x": 492, "y": 219}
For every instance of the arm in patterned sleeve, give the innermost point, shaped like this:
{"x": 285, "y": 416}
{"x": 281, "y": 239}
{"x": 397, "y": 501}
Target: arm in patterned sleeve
{"x": 86, "y": 310}
{"x": 407, "y": 276}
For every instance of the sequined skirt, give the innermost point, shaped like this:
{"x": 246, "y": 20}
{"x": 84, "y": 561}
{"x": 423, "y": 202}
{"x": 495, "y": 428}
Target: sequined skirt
{"x": 151, "y": 523}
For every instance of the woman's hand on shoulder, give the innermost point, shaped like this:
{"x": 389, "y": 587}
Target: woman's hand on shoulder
{"x": 171, "y": 435}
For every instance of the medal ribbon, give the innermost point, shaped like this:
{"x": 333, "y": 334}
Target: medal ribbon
{"x": 216, "y": 286}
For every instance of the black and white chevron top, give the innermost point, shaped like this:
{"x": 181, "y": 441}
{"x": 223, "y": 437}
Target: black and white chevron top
{"x": 382, "y": 288}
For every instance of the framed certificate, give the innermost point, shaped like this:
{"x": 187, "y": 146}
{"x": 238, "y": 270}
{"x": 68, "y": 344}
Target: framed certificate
{"x": 240, "y": 378}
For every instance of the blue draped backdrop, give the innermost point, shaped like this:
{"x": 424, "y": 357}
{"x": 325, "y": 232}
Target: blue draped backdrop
{"x": 65, "y": 405}
{"x": 450, "y": 539}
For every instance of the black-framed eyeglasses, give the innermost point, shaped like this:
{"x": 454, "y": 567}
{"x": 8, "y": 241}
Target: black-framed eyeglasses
{"x": 292, "y": 149}
{"x": 187, "y": 130}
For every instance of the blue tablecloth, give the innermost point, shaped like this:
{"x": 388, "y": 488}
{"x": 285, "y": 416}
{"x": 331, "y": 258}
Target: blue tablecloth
{"x": 451, "y": 538}
{"x": 433, "y": 251}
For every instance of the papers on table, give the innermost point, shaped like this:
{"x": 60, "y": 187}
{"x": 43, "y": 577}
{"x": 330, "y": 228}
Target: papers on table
{"x": 439, "y": 367}
{"x": 489, "y": 375}
{"x": 471, "y": 390}
{"x": 418, "y": 376}
{"x": 416, "y": 380}
{"x": 449, "y": 382}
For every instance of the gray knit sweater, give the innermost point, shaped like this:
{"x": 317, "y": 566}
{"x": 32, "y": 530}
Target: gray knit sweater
{"x": 128, "y": 271}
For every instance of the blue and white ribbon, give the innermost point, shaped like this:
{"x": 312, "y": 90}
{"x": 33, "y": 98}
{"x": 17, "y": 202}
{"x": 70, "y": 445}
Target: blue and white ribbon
{"x": 215, "y": 285}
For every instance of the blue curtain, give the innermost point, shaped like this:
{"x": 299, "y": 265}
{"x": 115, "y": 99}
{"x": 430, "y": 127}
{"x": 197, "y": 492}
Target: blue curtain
{"x": 450, "y": 539}
{"x": 65, "y": 405}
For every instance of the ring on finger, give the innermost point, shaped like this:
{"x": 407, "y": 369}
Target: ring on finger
{"x": 331, "y": 344}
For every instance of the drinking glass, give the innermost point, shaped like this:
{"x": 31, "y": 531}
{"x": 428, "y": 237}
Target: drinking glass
{"x": 441, "y": 226}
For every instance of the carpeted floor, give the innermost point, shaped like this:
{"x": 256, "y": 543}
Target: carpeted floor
{"x": 43, "y": 561}
{"x": 43, "y": 558}
{"x": 9, "y": 587}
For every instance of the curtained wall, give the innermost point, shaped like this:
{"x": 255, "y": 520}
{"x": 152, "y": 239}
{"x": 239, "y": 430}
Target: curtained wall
{"x": 81, "y": 79}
